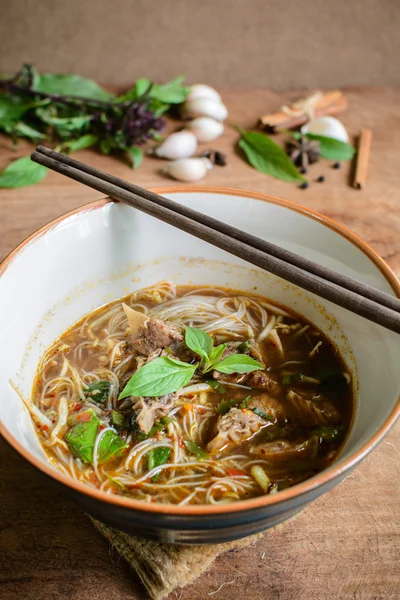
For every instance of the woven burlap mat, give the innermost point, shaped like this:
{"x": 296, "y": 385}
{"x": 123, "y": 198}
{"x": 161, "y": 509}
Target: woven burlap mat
{"x": 164, "y": 567}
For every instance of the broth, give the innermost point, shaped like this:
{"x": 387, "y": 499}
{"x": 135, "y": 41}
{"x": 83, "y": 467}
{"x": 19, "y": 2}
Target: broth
{"x": 221, "y": 435}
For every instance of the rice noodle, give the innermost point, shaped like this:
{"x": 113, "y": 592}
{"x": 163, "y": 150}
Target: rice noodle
{"x": 96, "y": 350}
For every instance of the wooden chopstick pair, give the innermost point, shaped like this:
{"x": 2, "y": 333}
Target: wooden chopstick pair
{"x": 368, "y": 302}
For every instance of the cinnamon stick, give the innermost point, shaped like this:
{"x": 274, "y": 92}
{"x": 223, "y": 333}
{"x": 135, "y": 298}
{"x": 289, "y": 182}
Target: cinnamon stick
{"x": 330, "y": 103}
{"x": 364, "y": 148}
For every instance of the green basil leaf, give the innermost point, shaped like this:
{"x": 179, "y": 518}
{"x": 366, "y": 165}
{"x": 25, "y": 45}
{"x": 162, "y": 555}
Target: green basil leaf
{"x": 81, "y": 438}
{"x": 105, "y": 146}
{"x": 225, "y": 406}
{"x": 85, "y": 141}
{"x": 71, "y": 85}
{"x": 245, "y": 402}
{"x": 110, "y": 446}
{"x": 214, "y": 357}
{"x": 158, "y": 108}
{"x": 142, "y": 86}
{"x": 217, "y": 386}
{"x": 267, "y": 156}
{"x": 333, "y": 149}
{"x": 329, "y": 433}
{"x": 12, "y": 109}
{"x": 172, "y": 92}
{"x": 197, "y": 450}
{"x": 22, "y": 172}
{"x": 244, "y": 347}
{"x": 136, "y": 155}
{"x": 118, "y": 419}
{"x": 159, "y": 377}
{"x": 98, "y": 391}
{"x": 139, "y": 88}
{"x": 24, "y": 130}
{"x": 216, "y": 353}
{"x": 158, "y": 456}
{"x": 262, "y": 414}
{"x": 66, "y": 123}
{"x": 295, "y": 378}
{"x": 237, "y": 363}
{"x": 199, "y": 341}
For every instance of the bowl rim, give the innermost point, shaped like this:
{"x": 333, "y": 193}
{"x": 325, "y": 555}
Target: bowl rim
{"x": 322, "y": 478}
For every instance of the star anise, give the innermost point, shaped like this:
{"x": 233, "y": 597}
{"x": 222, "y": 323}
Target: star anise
{"x": 303, "y": 151}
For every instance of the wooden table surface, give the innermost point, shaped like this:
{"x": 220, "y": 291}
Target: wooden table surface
{"x": 344, "y": 545}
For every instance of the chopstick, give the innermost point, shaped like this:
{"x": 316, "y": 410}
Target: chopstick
{"x": 363, "y": 300}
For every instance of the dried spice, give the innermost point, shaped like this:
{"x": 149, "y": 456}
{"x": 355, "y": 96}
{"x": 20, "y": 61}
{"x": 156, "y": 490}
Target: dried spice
{"x": 303, "y": 151}
{"x": 216, "y": 157}
{"x": 316, "y": 105}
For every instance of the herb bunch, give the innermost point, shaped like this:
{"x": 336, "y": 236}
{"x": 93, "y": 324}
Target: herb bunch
{"x": 165, "y": 375}
{"x": 76, "y": 113}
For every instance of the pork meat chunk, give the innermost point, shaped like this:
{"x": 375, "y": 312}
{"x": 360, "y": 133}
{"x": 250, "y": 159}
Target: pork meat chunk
{"x": 268, "y": 405}
{"x": 285, "y": 454}
{"x": 149, "y": 409}
{"x": 236, "y": 426}
{"x": 155, "y": 335}
{"x": 259, "y": 380}
{"x": 147, "y": 335}
{"x": 312, "y": 410}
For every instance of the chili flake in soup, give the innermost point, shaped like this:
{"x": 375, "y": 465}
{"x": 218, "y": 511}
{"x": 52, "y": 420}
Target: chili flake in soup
{"x": 185, "y": 395}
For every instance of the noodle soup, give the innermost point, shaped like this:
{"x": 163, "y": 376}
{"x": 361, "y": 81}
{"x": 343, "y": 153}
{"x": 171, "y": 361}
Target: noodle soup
{"x": 185, "y": 395}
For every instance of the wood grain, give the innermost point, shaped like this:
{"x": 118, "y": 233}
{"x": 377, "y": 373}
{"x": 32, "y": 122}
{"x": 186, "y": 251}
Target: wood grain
{"x": 344, "y": 545}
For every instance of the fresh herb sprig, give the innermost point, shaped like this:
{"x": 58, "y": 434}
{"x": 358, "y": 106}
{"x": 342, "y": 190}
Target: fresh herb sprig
{"x": 202, "y": 344}
{"x": 165, "y": 375}
{"x": 76, "y": 113}
{"x": 82, "y": 436}
{"x": 267, "y": 156}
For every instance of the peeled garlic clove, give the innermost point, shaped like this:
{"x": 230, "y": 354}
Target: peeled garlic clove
{"x": 205, "y": 107}
{"x": 188, "y": 169}
{"x": 200, "y": 90}
{"x": 327, "y": 126}
{"x": 205, "y": 129}
{"x": 177, "y": 145}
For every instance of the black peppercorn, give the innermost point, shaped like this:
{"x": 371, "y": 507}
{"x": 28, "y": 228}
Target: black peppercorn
{"x": 336, "y": 165}
{"x": 304, "y": 185}
{"x": 216, "y": 157}
{"x": 303, "y": 170}
{"x": 320, "y": 179}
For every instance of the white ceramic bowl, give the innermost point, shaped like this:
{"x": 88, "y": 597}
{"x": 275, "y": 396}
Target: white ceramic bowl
{"x": 105, "y": 250}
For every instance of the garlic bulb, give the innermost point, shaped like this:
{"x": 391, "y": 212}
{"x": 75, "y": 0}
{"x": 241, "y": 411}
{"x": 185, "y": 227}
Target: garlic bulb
{"x": 200, "y": 90}
{"x": 328, "y": 126}
{"x": 188, "y": 169}
{"x": 177, "y": 145}
{"x": 205, "y": 129}
{"x": 205, "y": 107}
